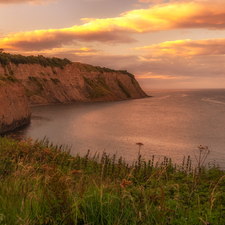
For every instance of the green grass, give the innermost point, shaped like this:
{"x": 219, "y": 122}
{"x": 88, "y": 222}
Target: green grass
{"x": 39, "y": 86}
{"x": 99, "y": 87}
{"x": 42, "y": 184}
{"x": 37, "y": 81}
{"x": 7, "y": 79}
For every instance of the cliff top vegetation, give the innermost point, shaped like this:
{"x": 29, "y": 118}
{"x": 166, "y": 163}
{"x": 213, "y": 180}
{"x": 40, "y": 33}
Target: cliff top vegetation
{"x": 7, "y": 58}
{"x": 90, "y": 68}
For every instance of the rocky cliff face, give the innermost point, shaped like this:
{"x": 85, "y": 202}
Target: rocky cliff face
{"x": 74, "y": 82}
{"x": 14, "y": 109}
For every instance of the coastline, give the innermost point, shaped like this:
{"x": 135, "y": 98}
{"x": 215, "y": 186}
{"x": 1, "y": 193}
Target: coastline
{"x": 92, "y": 101}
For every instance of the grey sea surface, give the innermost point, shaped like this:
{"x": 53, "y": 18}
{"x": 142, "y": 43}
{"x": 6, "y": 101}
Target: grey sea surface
{"x": 172, "y": 123}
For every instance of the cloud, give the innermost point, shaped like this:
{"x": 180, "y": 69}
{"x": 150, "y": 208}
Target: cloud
{"x": 202, "y": 14}
{"x": 183, "y": 64}
{"x": 179, "y": 72}
{"x": 55, "y": 38}
{"x": 33, "y": 2}
{"x": 186, "y": 48}
{"x": 66, "y": 52}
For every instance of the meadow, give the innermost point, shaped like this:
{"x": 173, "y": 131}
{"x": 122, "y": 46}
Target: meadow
{"x": 43, "y": 184}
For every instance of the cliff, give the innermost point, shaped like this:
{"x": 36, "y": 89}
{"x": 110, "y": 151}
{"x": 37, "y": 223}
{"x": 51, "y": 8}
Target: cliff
{"x": 14, "y": 109}
{"x": 73, "y": 82}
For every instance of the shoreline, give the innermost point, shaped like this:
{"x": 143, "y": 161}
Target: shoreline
{"x": 97, "y": 101}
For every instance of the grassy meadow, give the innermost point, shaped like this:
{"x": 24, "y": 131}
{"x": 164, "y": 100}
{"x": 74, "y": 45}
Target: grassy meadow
{"x": 43, "y": 184}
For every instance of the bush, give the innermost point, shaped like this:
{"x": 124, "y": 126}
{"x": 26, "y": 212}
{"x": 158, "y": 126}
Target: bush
{"x": 8, "y": 78}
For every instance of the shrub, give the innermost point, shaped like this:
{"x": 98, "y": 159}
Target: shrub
{"x": 8, "y": 78}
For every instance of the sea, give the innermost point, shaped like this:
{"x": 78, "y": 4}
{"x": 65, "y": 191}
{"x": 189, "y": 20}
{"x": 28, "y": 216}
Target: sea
{"x": 170, "y": 123}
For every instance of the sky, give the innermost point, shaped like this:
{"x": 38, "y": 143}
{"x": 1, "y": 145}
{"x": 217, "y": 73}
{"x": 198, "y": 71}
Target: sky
{"x": 166, "y": 44}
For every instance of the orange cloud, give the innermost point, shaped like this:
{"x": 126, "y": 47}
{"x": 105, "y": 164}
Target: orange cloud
{"x": 187, "y": 48}
{"x": 202, "y": 14}
{"x": 34, "y": 2}
{"x": 65, "y": 52}
{"x": 55, "y": 38}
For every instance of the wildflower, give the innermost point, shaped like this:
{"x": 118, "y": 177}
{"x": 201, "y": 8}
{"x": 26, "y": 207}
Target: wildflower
{"x": 125, "y": 183}
{"x": 47, "y": 151}
{"x": 139, "y": 144}
{"x": 201, "y": 147}
{"x": 21, "y": 142}
{"x": 203, "y": 153}
{"x": 29, "y": 140}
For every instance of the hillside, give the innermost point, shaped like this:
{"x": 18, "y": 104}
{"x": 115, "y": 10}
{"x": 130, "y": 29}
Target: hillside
{"x": 53, "y": 80}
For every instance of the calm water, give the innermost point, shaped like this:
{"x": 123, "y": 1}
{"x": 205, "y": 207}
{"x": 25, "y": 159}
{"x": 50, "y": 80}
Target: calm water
{"x": 172, "y": 123}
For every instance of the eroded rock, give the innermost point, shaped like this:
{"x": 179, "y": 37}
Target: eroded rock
{"x": 14, "y": 109}
{"x": 75, "y": 82}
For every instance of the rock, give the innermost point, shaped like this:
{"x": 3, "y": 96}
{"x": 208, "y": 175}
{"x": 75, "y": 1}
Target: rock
{"x": 75, "y": 82}
{"x": 14, "y": 109}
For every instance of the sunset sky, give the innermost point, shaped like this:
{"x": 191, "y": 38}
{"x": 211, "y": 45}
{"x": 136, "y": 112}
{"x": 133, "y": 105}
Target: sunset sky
{"x": 164, "y": 43}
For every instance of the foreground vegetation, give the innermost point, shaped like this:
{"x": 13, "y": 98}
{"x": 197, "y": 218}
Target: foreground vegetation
{"x": 42, "y": 184}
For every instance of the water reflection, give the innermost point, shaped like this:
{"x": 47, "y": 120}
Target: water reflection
{"x": 172, "y": 123}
